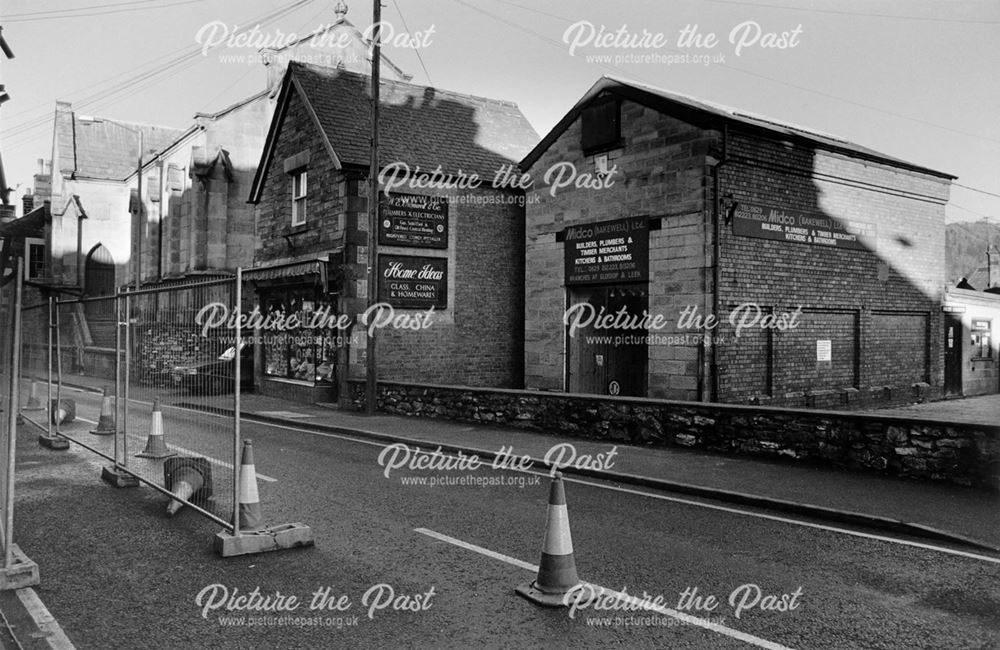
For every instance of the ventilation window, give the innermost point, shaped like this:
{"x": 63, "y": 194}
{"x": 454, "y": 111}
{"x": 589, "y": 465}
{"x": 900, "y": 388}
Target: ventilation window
{"x": 601, "y": 126}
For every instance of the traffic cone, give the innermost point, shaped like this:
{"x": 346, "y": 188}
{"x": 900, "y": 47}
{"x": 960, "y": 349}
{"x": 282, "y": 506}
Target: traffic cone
{"x": 557, "y": 570}
{"x": 188, "y": 479}
{"x": 34, "y": 404}
{"x": 155, "y": 445}
{"x": 106, "y": 423}
{"x": 63, "y": 411}
{"x": 251, "y": 517}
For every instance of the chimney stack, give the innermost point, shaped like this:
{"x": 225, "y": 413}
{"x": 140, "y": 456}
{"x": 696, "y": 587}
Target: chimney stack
{"x": 28, "y": 203}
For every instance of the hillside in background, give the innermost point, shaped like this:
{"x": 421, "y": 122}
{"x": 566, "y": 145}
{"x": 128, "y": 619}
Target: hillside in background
{"x": 965, "y": 247}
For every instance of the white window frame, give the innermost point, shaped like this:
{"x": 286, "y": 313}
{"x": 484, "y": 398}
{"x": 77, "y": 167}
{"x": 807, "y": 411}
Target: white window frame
{"x": 300, "y": 193}
{"x": 29, "y": 273}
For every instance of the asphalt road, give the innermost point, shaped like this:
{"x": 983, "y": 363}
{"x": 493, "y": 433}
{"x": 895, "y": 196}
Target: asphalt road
{"x": 117, "y": 573}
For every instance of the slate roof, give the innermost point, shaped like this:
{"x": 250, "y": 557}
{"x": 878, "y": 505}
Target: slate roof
{"x": 712, "y": 115}
{"x": 101, "y": 149}
{"x": 418, "y": 125}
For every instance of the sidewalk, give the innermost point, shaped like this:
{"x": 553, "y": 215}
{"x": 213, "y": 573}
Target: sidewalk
{"x": 983, "y": 409}
{"x": 930, "y": 510}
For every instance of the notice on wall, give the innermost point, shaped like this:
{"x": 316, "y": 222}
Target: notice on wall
{"x": 609, "y": 252}
{"x": 413, "y": 220}
{"x": 407, "y": 282}
{"x": 824, "y": 350}
{"x": 815, "y": 228}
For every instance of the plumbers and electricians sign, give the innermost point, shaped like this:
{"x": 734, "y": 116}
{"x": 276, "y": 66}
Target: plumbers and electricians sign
{"x": 609, "y": 252}
{"x": 413, "y": 220}
{"x": 767, "y": 222}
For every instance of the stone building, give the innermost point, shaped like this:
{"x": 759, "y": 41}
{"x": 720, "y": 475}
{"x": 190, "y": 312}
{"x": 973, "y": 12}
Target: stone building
{"x": 772, "y": 263}
{"x": 456, "y": 250}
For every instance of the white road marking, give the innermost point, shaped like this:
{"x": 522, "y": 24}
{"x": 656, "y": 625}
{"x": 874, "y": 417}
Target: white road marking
{"x": 214, "y": 461}
{"x": 478, "y": 549}
{"x": 619, "y": 596}
{"x": 47, "y": 623}
{"x": 662, "y": 497}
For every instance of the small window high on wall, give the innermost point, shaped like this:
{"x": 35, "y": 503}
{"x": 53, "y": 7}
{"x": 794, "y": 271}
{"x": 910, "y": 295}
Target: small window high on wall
{"x": 601, "y": 125}
{"x": 299, "y": 190}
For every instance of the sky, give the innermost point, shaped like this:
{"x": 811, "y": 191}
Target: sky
{"x": 913, "y": 79}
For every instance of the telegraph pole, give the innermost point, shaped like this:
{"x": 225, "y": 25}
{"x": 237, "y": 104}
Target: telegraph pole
{"x": 371, "y": 376}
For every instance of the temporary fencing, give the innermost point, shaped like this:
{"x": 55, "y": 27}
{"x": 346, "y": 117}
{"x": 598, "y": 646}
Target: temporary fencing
{"x": 16, "y": 570}
{"x": 138, "y": 379}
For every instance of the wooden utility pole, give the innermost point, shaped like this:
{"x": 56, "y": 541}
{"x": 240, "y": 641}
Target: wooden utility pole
{"x": 371, "y": 376}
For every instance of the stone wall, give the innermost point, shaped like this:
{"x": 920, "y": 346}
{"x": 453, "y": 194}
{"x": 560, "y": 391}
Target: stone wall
{"x": 884, "y": 444}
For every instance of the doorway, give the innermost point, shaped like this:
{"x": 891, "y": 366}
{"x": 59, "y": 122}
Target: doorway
{"x": 98, "y": 282}
{"x": 953, "y": 338}
{"x": 609, "y": 360}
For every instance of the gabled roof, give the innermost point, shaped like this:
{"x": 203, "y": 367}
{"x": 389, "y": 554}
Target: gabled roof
{"x": 30, "y": 225}
{"x": 326, "y": 38}
{"x": 418, "y": 125}
{"x": 101, "y": 149}
{"x": 711, "y": 115}
{"x": 980, "y": 278}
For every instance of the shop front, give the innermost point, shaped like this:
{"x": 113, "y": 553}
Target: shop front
{"x": 297, "y": 351}
{"x": 607, "y": 277}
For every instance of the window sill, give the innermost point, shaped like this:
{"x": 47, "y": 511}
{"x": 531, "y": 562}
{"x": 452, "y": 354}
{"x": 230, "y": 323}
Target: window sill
{"x": 604, "y": 148}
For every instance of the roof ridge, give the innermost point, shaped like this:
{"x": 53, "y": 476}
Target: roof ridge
{"x": 338, "y": 71}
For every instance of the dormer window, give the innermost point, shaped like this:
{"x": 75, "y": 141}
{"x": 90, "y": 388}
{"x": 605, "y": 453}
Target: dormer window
{"x": 601, "y": 125}
{"x": 299, "y": 190}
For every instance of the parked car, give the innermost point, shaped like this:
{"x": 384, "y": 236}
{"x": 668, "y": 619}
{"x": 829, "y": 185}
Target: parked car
{"x": 216, "y": 375}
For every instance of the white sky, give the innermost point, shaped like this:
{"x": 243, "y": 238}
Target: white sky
{"x": 914, "y": 79}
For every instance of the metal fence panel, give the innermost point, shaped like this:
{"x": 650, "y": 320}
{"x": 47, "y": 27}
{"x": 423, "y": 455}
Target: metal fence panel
{"x": 135, "y": 375}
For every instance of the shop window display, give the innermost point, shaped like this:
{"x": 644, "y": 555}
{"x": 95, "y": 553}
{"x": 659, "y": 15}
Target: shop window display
{"x": 304, "y": 354}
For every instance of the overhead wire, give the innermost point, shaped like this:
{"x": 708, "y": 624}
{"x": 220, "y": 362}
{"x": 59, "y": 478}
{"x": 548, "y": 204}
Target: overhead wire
{"x": 165, "y": 70}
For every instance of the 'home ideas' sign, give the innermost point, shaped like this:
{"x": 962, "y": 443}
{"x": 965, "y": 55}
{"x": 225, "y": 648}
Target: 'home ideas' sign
{"x": 407, "y": 282}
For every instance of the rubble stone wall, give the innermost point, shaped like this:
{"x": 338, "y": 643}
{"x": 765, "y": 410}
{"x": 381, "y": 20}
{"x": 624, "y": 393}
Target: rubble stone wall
{"x": 880, "y": 443}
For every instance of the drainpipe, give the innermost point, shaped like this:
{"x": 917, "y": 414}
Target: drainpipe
{"x": 717, "y": 246}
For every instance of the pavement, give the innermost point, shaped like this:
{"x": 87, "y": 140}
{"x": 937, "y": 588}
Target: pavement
{"x": 934, "y": 511}
{"x": 983, "y": 409}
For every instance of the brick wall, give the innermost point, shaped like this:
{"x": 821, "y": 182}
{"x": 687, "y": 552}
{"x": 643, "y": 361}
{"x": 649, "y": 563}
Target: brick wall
{"x": 666, "y": 170}
{"x": 875, "y": 306}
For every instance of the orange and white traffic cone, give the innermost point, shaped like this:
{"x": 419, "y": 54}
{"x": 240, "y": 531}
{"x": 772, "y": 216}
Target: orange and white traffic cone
{"x": 189, "y": 480}
{"x": 251, "y": 517}
{"x": 106, "y": 423}
{"x": 557, "y": 570}
{"x": 156, "y": 447}
{"x": 63, "y": 411}
{"x": 33, "y": 404}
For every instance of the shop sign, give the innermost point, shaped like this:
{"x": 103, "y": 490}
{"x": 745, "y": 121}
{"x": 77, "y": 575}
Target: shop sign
{"x": 766, "y": 222}
{"x": 407, "y": 282}
{"x": 608, "y": 252}
{"x": 413, "y": 220}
